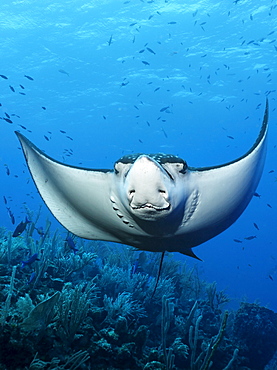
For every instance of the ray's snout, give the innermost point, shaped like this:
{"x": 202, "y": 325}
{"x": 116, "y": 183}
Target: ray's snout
{"x": 146, "y": 186}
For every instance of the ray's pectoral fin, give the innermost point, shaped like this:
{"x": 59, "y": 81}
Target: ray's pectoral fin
{"x": 77, "y": 197}
{"x": 225, "y": 191}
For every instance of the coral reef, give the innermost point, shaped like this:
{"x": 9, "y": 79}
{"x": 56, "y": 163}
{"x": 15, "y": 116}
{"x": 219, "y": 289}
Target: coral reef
{"x": 93, "y": 308}
{"x": 255, "y": 330}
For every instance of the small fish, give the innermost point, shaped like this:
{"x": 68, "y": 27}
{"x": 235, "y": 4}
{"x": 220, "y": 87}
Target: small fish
{"x": 70, "y": 243}
{"x": 165, "y": 134}
{"x": 8, "y": 172}
{"x": 110, "y": 40}
{"x": 237, "y": 241}
{"x": 250, "y": 237}
{"x": 46, "y": 138}
{"x": 12, "y": 88}
{"x": 133, "y": 24}
{"x": 5, "y": 199}
{"x": 62, "y": 71}
{"x": 270, "y": 277}
{"x": 31, "y": 260}
{"x": 164, "y": 109}
{"x": 257, "y": 195}
{"x": 32, "y": 277}
{"x": 29, "y": 77}
{"x": 158, "y": 88}
{"x": 70, "y": 138}
{"x": 20, "y": 228}
{"x": 139, "y": 262}
{"x": 11, "y": 216}
{"x": 4, "y": 77}
{"x": 124, "y": 83}
{"x": 256, "y": 226}
{"x": 150, "y": 50}
{"x": 146, "y": 63}
{"x": 63, "y": 132}
{"x": 271, "y": 171}
{"x": 230, "y": 137}
{"x": 268, "y": 205}
{"x": 22, "y": 87}
{"x": 7, "y": 120}
{"x": 171, "y": 22}
{"x": 43, "y": 108}
{"x": 7, "y": 115}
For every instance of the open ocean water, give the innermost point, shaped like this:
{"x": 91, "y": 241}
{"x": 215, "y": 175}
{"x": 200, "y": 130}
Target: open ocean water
{"x": 91, "y": 81}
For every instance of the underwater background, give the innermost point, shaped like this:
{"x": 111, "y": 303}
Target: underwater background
{"x": 89, "y": 82}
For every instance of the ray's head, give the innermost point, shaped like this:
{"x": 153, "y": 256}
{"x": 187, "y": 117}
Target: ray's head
{"x": 150, "y": 185}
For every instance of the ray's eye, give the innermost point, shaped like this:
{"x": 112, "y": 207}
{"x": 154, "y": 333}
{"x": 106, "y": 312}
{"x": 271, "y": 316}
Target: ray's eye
{"x": 121, "y": 169}
{"x": 183, "y": 167}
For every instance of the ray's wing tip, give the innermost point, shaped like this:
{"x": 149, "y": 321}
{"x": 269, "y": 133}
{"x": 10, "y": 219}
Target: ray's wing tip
{"x": 18, "y": 134}
{"x": 26, "y": 143}
{"x": 266, "y": 112}
{"x": 21, "y": 137}
{"x": 264, "y": 127}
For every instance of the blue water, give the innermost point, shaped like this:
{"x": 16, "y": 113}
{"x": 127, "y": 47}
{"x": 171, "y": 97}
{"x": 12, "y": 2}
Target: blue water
{"x": 212, "y": 63}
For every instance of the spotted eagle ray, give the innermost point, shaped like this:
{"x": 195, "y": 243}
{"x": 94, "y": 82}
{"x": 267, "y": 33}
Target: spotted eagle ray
{"x": 154, "y": 202}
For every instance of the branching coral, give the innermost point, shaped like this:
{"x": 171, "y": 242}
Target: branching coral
{"x": 73, "y": 308}
{"x": 167, "y": 316}
{"x": 74, "y": 362}
{"x": 7, "y": 303}
{"x": 123, "y": 305}
{"x": 203, "y": 360}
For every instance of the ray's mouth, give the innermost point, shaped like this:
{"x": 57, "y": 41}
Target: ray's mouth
{"x": 149, "y": 206}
